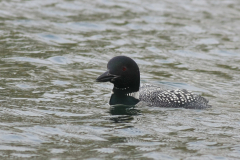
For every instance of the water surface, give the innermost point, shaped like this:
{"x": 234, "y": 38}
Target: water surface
{"x": 52, "y": 51}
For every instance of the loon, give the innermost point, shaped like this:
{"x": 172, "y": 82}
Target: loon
{"x": 124, "y": 73}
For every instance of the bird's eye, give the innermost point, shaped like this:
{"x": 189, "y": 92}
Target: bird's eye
{"x": 124, "y": 68}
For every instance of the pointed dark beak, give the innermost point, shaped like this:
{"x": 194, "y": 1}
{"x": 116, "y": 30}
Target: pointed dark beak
{"x": 106, "y": 77}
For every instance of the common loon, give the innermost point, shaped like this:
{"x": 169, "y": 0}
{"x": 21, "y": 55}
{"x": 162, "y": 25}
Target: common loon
{"x": 124, "y": 73}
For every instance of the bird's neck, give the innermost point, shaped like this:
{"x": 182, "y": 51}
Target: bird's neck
{"x": 123, "y": 97}
{"x": 125, "y": 91}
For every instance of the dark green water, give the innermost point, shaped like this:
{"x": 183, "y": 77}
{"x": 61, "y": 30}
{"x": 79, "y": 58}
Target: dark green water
{"x": 52, "y": 51}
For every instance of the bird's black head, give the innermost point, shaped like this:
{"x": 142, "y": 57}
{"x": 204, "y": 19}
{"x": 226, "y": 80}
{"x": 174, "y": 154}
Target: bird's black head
{"x": 124, "y": 73}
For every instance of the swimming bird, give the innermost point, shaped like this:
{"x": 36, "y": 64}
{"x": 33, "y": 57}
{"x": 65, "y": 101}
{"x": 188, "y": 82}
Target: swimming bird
{"x": 124, "y": 73}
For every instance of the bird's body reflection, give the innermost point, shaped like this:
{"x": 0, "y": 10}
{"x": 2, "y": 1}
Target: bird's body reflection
{"x": 124, "y": 106}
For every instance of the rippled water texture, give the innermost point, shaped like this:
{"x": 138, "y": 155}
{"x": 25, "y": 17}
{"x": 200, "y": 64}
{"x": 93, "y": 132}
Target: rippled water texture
{"x": 52, "y": 51}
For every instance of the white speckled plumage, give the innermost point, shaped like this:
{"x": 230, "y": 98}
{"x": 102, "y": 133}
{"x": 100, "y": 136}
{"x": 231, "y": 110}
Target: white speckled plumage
{"x": 176, "y": 98}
